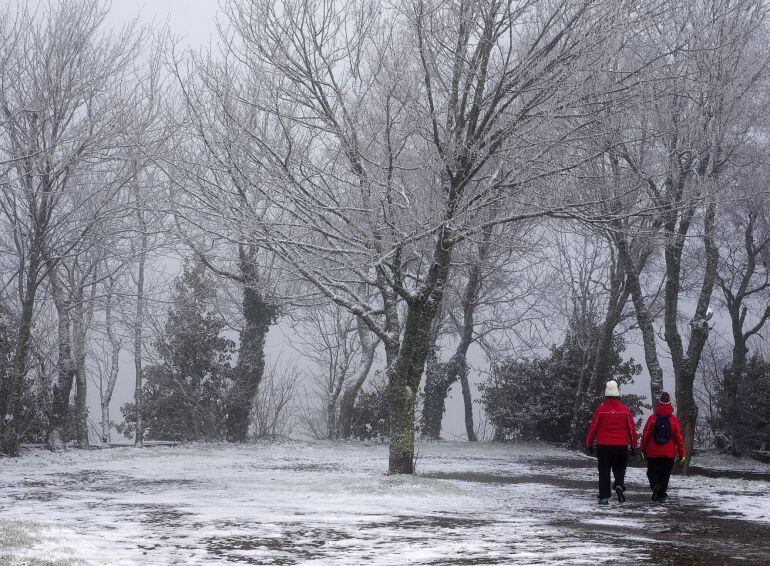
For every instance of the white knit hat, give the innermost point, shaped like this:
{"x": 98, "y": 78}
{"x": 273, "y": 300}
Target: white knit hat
{"x": 612, "y": 389}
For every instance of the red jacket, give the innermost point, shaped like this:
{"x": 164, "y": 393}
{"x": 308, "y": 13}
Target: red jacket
{"x": 612, "y": 425}
{"x": 675, "y": 445}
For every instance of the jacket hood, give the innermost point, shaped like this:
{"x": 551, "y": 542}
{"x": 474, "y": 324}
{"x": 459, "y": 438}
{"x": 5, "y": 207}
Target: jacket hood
{"x": 664, "y": 410}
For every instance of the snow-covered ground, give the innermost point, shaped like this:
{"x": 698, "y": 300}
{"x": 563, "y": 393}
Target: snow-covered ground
{"x": 714, "y": 460}
{"x": 331, "y": 503}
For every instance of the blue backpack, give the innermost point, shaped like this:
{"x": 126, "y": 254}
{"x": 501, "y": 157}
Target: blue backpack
{"x": 662, "y": 431}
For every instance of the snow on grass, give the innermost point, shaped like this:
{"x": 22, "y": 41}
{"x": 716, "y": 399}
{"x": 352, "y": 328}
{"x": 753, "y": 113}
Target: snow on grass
{"x": 321, "y": 503}
{"x": 18, "y": 540}
{"x": 715, "y": 460}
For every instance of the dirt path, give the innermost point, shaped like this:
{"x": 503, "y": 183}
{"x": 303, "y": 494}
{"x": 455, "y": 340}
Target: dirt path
{"x": 674, "y": 533}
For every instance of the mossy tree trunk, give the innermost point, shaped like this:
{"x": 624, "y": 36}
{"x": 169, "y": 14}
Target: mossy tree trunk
{"x": 258, "y": 315}
{"x": 9, "y": 427}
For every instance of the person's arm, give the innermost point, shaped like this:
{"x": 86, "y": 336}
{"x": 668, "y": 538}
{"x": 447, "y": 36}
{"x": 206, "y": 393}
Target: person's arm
{"x": 632, "y": 430}
{"x": 678, "y": 438}
{"x": 592, "y": 429}
{"x": 646, "y": 433}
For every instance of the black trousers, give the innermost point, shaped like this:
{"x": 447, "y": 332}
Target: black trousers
{"x": 658, "y": 472}
{"x": 611, "y": 458}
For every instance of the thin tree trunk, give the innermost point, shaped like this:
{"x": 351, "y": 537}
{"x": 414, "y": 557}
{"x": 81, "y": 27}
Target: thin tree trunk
{"x": 105, "y": 424}
{"x": 79, "y": 355}
{"x": 644, "y": 319}
{"x": 470, "y": 429}
{"x": 139, "y": 316}
{"x": 584, "y": 391}
{"x": 332, "y": 431}
{"x": 737, "y": 310}
{"x": 368, "y": 351}
{"x": 732, "y": 379}
{"x": 106, "y": 393}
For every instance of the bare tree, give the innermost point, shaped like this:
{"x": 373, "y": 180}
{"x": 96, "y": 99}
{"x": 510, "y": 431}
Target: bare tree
{"x": 108, "y": 367}
{"x": 326, "y": 335}
{"x": 274, "y": 412}
{"x": 667, "y": 165}
{"x": 59, "y": 119}
{"x": 706, "y": 119}
{"x": 588, "y": 271}
{"x": 215, "y": 201}
{"x": 707, "y": 392}
{"x": 385, "y": 146}
{"x": 744, "y": 279}
{"x": 368, "y": 344}
{"x": 491, "y": 293}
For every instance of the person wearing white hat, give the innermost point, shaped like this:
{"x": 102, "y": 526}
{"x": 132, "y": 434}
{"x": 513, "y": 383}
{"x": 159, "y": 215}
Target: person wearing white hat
{"x": 613, "y": 428}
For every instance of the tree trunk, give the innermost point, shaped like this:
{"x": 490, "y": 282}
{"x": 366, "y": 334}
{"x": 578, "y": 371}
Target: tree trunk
{"x": 441, "y": 377}
{"x": 79, "y": 353}
{"x": 644, "y": 319}
{"x": 436, "y": 389}
{"x": 470, "y": 429}
{"x": 332, "y": 430}
{"x": 9, "y": 430}
{"x": 586, "y": 388}
{"x": 732, "y": 379}
{"x": 105, "y": 423}
{"x": 436, "y": 386}
{"x": 686, "y": 364}
{"x": 403, "y": 381}
{"x": 401, "y": 449}
{"x": 139, "y": 318}
{"x": 687, "y": 411}
{"x": 258, "y": 316}
{"x": 368, "y": 351}
{"x": 590, "y": 380}
{"x": 58, "y": 430}
{"x": 106, "y": 393}
{"x": 405, "y": 372}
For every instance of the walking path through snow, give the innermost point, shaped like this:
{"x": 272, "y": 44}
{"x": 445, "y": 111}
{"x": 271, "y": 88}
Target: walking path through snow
{"x": 331, "y": 503}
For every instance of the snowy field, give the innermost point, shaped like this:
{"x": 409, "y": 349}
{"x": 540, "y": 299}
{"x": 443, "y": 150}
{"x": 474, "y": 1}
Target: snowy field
{"x": 330, "y": 503}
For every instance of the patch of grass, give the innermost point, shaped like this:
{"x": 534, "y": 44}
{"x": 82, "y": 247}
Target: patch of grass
{"x": 8, "y": 560}
{"x": 17, "y": 534}
{"x": 16, "y": 537}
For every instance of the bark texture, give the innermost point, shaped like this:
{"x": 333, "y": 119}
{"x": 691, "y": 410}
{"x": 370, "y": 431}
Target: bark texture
{"x": 9, "y": 431}
{"x": 259, "y": 315}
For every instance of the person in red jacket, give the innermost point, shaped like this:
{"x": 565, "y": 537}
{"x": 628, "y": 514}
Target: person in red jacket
{"x": 661, "y": 443}
{"x": 614, "y": 430}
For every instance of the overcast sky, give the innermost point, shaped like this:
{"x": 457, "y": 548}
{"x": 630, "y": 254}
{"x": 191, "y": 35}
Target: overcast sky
{"x": 192, "y": 20}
